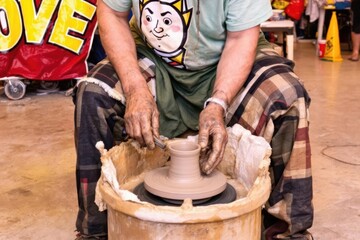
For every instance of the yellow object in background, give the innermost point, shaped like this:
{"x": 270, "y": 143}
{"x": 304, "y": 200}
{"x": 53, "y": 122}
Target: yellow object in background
{"x": 280, "y": 4}
{"x": 333, "y": 51}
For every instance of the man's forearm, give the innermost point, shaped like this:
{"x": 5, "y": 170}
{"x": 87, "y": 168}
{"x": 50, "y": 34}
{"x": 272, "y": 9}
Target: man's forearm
{"x": 235, "y": 64}
{"x": 119, "y": 45}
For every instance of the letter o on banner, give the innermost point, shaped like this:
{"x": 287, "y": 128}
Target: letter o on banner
{"x": 10, "y": 24}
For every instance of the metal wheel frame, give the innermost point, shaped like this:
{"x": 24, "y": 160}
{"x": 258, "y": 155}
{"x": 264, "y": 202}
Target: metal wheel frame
{"x": 15, "y": 89}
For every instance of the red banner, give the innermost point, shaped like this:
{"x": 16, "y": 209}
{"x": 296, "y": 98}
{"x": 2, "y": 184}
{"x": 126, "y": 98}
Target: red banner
{"x": 46, "y": 39}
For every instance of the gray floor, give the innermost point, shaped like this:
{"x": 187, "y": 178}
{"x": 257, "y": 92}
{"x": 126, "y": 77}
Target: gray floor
{"x": 38, "y": 159}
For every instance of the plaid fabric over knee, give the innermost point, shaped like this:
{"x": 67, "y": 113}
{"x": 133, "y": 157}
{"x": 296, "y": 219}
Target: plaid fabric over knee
{"x": 99, "y": 111}
{"x": 276, "y": 108}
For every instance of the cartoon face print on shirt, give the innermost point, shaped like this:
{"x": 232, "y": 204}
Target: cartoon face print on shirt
{"x": 165, "y": 27}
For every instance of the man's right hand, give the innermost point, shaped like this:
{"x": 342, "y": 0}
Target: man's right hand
{"x": 142, "y": 116}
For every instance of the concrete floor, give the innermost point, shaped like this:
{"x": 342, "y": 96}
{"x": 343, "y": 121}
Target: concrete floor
{"x": 38, "y": 196}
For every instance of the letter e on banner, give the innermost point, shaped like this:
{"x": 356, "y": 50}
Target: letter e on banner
{"x": 60, "y": 34}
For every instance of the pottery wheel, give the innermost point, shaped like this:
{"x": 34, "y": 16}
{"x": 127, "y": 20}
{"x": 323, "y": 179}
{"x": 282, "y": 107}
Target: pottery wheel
{"x": 158, "y": 183}
{"x": 227, "y": 196}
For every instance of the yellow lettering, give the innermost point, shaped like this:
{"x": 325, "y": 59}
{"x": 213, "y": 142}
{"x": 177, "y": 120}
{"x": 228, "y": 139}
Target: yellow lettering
{"x": 36, "y": 23}
{"x": 10, "y": 21}
{"x": 68, "y": 22}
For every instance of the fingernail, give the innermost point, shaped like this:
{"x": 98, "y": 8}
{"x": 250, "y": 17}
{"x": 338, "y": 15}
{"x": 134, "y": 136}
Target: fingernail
{"x": 202, "y": 145}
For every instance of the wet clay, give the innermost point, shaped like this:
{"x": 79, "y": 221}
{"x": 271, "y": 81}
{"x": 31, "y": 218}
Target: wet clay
{"x": 183, "y": 179}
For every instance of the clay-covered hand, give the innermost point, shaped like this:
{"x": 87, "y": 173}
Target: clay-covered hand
{"x": 212, "y": 137}
{"x": 142, "y": 117}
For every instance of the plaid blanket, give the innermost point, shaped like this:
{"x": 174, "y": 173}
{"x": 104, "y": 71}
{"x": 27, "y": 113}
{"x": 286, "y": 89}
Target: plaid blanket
{"x": 273, "y": 104}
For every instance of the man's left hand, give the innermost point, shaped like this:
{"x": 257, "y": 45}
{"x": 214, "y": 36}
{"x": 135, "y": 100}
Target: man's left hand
{"x": 212, "y": 137}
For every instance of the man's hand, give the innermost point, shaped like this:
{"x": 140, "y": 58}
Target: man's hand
{"x": 142, "y": 117}
{"x": 212, "y": 137}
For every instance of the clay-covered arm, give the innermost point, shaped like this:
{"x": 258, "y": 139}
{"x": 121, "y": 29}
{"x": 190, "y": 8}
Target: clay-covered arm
{"x": 233, "y": 69}
{"x": 141, "y": 116}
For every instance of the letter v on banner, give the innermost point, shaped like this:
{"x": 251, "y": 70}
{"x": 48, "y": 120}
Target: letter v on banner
{"x": 333, "y": 51}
